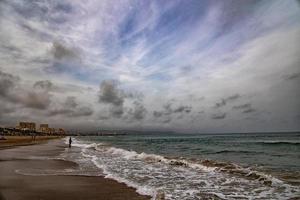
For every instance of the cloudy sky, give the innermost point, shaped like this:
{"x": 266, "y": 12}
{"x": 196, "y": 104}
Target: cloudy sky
{"x": 187, "y": 66}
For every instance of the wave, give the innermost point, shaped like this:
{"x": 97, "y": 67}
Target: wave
{"x": 157, "y": 158}
{"x": 237, "y": 151}
{"x": 153, "y": 174}
{"x": 280, "y": 142}
{"x": 204, "y": 165}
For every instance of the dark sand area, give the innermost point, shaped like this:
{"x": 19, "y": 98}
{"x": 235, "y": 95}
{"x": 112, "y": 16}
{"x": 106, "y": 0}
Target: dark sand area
{"x": 13, "y": 141}
{"x": 14, "y": 185}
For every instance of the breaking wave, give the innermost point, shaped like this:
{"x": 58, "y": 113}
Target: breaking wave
{"x": 181, "y": 178}
{"x": 280, "y": 143}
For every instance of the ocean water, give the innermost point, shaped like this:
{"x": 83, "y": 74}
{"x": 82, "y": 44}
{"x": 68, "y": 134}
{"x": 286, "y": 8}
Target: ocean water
{"x": 196, "y": 166}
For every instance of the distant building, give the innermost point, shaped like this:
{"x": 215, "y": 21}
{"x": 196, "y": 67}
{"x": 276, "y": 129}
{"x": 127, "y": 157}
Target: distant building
{"x": 61, "y": 131}
{"x": 26, "y": 126}
{"x": 51, "y": 130}
{"x": 44, "y": 128}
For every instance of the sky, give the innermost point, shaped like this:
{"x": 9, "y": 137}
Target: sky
{"x": 186, "y": 66}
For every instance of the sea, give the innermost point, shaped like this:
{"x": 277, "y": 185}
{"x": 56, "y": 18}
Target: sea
{"x": 195, "y": 166}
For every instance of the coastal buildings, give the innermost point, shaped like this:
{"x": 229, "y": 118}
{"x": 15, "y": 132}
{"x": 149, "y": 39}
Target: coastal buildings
{"x": 43, "y": 128}
{"x": 30, "y": 126}
{"x": 61, "y": 131}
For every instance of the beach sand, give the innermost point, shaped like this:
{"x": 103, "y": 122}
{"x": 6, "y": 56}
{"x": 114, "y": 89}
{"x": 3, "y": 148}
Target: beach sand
{"x": 16, "y": 186}
{"x": 13, "y": 141}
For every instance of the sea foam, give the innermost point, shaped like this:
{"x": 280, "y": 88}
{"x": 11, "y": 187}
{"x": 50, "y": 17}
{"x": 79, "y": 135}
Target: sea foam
{"x": 180, "y": 178}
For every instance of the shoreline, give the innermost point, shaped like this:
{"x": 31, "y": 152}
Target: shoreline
{"x": 20, "y": 180}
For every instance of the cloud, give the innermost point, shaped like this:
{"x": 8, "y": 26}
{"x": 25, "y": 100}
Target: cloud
{"x": 6, "y": 110}
{"x": 43, "y": 85}
{"x": 292, "y": 76}
{"x": 157, "y": 113}
{"x": 220, "y": 103}
{"x": 82, "y": 111}
{"x": 55, "y": 54}
{"x": 32, "y": 99}
{"x": 226, "y": 100}
{"x": 219, "y": 116}
{"x": 110, "y": 93}
{"x": 117, "y": 111}
{"x": 7, "y": 83}
{"x": 71, "y": 108}
{"x": 71, "y": 102}
{"x": 180, "y": 109}
{"x": 138, "y": 112}
{"x": 168, "y": 109}
{"x": 246, "y": 108}
{"x": 12, "y": 91}
{"x": 243, "y": 106}
{"x": 233, "y": 97}
{"x": 249, "y": 110}
{"x": 61, "y": 52}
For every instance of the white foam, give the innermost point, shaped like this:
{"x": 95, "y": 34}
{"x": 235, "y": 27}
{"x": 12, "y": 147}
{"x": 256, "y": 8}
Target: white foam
{"x": 156, "y": 158}
{"x": 178, "y": 178}
{"x": 143, "y": 190}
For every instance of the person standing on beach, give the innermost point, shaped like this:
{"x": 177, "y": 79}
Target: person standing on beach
{"x": 70, "y": 142}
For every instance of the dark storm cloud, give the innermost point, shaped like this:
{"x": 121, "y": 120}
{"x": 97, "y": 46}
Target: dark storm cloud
{"x": 249, "y": 110}
{"x": 181, "y": 109}
{"x": 110, "y": 93}
{"x": 292, "y": 76}
{"x": 219, "y": 116}
{"x": 169, "y": 110}
{"x": 157, "y": 113}
{"x": 233, "y": 97}
{"x": 243, "y": 106}
{"x": 44, "y": 85}
{"x": 71, "y": 108}
{"x": 82, "y": 111}
{"x": 61, "y": 51}
{"x": 33, "y": 100}
{"x": 71, "y": 102}
{"x": 166, "y": 114}
{"x": 138, "y": 112}
{"x": 7, "y": 83}
{"x": 221, "y": 103}
{"x": 117, "y": 111}
{"x": 30, "y": 99}
{"x": 226, "y": 100}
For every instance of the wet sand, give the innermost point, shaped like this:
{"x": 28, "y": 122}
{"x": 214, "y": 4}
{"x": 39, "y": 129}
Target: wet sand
{"x": 13, "y": 141}
{"x": 16, "y": 186}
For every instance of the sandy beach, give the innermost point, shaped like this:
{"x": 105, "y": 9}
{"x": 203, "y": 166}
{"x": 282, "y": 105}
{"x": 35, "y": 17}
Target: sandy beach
{"x": 14, "y": 141}
{"x": 15, "y": 185}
